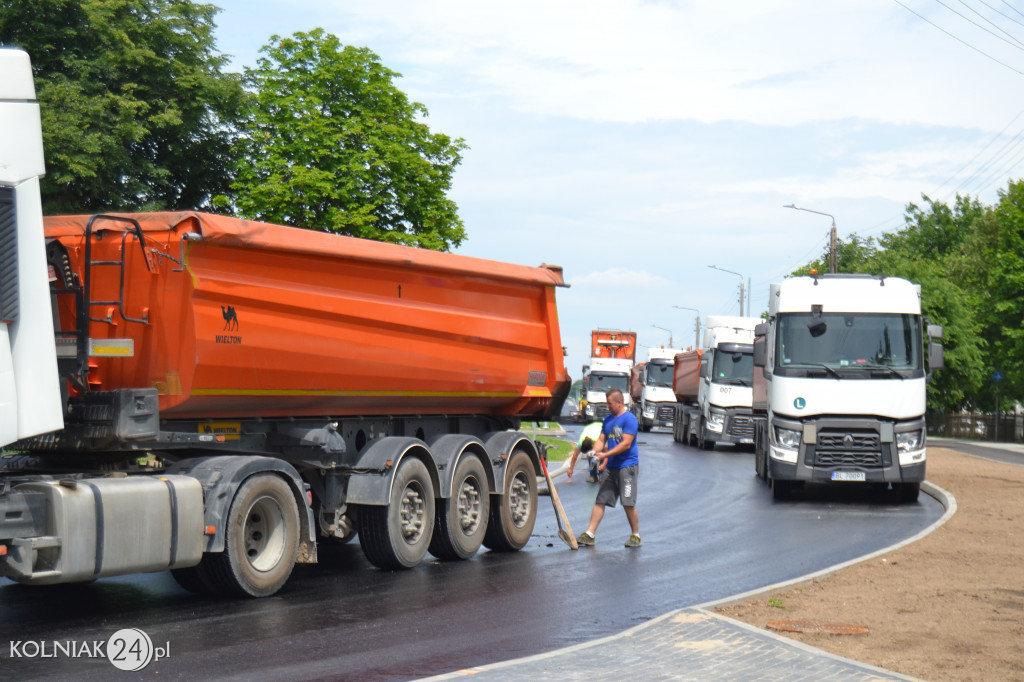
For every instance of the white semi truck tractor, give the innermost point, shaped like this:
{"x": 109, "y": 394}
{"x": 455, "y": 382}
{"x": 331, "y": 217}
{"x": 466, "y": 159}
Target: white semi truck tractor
{"x": 839, "y": 383}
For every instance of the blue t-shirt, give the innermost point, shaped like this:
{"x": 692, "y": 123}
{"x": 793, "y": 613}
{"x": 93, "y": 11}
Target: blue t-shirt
{"x": 613, "y": 430}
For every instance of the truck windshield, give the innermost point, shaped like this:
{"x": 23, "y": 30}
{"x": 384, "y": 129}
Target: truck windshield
{"x": 659, "y": 375}
{"x": 603, "y": 382}
{"x": 733, "y": 367}
{"x": 875, "y": 345}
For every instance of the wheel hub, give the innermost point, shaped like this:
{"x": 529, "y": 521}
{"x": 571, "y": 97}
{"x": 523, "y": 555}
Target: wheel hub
{"x": 264, "y": 533}
{"x": 469, "y": 506}
{"x": 519, "y": 501}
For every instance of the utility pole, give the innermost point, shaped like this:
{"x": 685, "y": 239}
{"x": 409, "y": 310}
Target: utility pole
{"x": 696, "y": 325}
{"x": 715, "y": 267}
{"x": 833, "y": 240}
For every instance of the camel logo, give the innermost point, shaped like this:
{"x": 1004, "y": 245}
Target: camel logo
{"x": 230, "y": 325}
{"x": 230, "y": 318}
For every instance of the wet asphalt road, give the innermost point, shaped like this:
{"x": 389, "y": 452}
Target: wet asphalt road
{"x": 710, "y": 530}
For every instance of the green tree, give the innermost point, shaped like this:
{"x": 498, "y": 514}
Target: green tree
{"x": 136, "y": 109}
{"x": 994, "y": 264}
{"x": 330, "y": 143}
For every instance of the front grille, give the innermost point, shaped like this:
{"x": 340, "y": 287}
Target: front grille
{"x": 741, "y": 426}
{"x": 601, "y": 411}
{"x": 848, "y": 448}
{"x": 666, "y": 413}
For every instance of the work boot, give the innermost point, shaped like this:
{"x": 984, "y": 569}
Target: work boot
{"x": 633, "y": 541}
{"x": 585, "y": 539}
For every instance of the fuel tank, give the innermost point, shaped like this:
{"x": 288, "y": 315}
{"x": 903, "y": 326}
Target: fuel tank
{"x": 235, "y": 318}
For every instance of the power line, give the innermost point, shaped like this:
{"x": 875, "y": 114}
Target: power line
{"x": 1013, "y": 8}
{"x": 971, "y": 21}
{"x": 976, "y": 156}
{"x": 1005, "y": 16}
{"x": 959, "y": 40}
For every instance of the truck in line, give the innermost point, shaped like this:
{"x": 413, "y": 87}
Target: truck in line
{"x": 841, "y": 370}
{"x": 650, "y": 386}
{"x": 713, "y": 386}
{"x": 217, "y": 397}
{"x": 612, "y": 354}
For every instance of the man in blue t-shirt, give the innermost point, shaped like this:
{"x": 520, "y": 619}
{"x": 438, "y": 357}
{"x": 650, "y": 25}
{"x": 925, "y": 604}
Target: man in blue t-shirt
{"x": 617, "y": 446}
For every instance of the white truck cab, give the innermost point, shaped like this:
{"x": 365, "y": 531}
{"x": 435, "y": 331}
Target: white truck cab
{"x": 843, "y": 365}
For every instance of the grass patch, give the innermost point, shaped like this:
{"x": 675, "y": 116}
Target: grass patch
{"x": 559, "y": 449}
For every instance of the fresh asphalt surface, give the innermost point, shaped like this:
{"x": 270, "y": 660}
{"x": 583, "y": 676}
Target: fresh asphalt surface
{"x": 710, "y": 530}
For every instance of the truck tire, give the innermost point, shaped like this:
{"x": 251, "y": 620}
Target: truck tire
{"x": 193, "y": 579}
{"x": 461, "y": 520}
{"x": 397, "y": 535}
{"x": 908, "y": 492}
{"x": 511, "y": 522}
{"x": 261, "y": 541}
{"x": 781, "y": 490}
{"x": 705, "y": 443}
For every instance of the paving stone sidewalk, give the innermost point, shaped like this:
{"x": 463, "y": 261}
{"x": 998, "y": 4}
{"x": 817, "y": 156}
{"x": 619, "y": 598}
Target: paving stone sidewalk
{"x": 689, "y": 644}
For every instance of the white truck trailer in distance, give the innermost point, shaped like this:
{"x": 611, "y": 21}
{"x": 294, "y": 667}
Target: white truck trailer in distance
{"x": 715, "y": 405}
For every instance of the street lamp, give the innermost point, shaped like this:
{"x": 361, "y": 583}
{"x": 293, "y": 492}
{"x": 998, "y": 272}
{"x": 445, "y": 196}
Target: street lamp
{"x": 696, "y": 325}
{"x": 670, "y": 344}
{"x": 741, "y": 283}
{"x": 832, "y": 236}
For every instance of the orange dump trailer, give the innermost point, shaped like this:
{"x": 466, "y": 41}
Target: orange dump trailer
{"x": 261, "y": 390}
{"x": 612, "y": 343}
{"x": 230, "y": 318}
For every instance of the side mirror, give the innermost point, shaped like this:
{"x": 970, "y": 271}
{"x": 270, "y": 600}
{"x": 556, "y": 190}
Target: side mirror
{"x": 760, "y": 352}
{"x": 935, "y": 358}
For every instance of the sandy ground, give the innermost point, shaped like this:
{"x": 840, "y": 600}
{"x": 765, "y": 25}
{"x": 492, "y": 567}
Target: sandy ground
{"x": 949, "y": 606}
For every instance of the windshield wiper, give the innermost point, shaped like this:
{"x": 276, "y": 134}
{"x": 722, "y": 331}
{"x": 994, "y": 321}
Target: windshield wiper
{"x": 828, "y": 369}
{"x": 887, "y": 368}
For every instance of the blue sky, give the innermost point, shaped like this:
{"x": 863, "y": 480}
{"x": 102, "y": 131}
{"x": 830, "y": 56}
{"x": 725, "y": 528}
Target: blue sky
{"x": 635, "y": 143}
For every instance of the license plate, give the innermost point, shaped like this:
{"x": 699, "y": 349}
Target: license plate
{"x": 848, "y": 476}
{"x": 746, "y": 441}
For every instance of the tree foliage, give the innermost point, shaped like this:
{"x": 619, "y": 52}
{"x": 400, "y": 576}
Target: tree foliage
{"x": 136, "y": 109}
{"x": 330, "y": 143}
{"x": 969, "y": 260}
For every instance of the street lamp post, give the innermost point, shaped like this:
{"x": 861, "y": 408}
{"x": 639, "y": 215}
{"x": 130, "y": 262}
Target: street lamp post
{"x": 670, "y": 344}
{"x": 715, "y": 267}
{"x": 696, "y": 325}
{"x": 832, "y": 256}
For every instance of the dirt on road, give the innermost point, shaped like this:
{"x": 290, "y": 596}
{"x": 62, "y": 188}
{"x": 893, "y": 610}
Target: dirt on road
{"x": 949, "y": 606}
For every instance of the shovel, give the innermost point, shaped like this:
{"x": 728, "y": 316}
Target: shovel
{"x": 566, "y": 536}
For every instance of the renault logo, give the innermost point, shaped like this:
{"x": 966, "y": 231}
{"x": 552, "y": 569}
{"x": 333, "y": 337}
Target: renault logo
{"x": 847, "y": 441}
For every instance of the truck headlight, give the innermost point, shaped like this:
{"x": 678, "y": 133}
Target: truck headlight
{"x": 716, "y": 421}
{"x": 588, "y": 410}
{"x": 787, "y": 438}
{"x": 909, "y": 441}
{"x": 649, "y": 410}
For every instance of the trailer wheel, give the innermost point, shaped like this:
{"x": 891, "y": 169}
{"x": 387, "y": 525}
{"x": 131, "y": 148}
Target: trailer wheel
{"x": 461, "y": 520}
{"x": 397, "y": 535}
{"x": 261, "y": 539}
{"x": 511, "y": 522}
